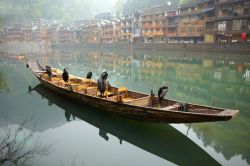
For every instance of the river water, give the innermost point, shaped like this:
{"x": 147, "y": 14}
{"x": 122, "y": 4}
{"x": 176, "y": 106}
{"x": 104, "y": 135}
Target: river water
{"x": 81, "y": 135}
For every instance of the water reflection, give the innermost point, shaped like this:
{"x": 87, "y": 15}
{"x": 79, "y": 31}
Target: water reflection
{"x": 161, "y": 140}
{"x": 221, "y": 81}
{"x": 197, "y": 79}
{"x": 210, "y": 79}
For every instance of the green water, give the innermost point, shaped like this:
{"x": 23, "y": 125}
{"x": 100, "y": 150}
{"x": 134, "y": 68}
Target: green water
{"x": 98, "y": 138}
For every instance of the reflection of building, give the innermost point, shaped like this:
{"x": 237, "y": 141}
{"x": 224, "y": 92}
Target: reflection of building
{"x": 232, "y": 18}
{"x": 37, "y": 34}
{"x": 14, "y": 33}
{"x": 1, "y": 37}
{"x": 52, "y": 33}
{"x": 28, "y": 33}
{"x": 247, "y": 75}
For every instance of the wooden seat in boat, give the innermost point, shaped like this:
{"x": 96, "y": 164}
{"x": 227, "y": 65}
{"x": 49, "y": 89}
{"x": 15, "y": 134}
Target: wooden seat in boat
{"x": 122, "y": 95}
{"x": 91, "y": 91}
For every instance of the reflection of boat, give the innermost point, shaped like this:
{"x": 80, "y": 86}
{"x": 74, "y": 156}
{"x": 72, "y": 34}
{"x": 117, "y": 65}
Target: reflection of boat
{"x": 128, "y": 103}
{"x": 159, "y": 139}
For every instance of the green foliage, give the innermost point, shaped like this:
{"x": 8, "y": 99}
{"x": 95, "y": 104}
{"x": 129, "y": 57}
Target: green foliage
{"x": 185, "y": 1}
{"x": 128, "y": 6}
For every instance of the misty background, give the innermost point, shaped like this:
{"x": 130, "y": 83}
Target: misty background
{"x": 21, "y": 11}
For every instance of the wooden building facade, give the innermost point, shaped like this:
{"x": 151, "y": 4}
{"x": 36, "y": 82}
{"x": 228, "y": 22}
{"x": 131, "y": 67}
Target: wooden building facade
{"x": 232, "y": 21}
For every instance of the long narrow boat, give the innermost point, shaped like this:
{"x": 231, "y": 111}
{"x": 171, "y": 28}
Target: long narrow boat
{"x": 127, "y": 103}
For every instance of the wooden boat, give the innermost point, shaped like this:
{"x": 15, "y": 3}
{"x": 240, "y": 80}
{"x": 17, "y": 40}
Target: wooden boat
{"x": 127, "y": 103}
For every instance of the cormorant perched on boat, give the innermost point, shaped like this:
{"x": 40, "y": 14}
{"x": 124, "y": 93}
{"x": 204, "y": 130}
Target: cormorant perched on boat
{"x": 89, "y": 75}
{"x": 101, "y": 82}
{"x": 162, "y": 93}
{"x": 48, "y": 70}
{"x": 104, "y": 75}
{"x": 65, "y": 75}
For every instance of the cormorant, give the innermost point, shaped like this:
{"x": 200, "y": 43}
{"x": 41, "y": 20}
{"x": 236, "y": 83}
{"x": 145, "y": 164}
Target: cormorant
{"x": 104, "y": 75}
{"x": 49, "y": 70}
{"x": 65, "y": 75}
{"x": 89, "y": 75}
{"x": 162, "y": 93}
{"x": 101, "y": 82}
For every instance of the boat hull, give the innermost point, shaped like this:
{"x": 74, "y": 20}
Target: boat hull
{"x": 134, "y": 112}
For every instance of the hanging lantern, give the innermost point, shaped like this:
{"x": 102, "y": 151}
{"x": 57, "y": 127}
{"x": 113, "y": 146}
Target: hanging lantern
{"x": 243, "y": 35}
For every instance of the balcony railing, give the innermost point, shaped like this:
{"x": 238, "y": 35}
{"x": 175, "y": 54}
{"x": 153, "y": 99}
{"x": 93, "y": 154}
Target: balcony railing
{"x": 209, "y": 30}
{"x": 126, "y": 34}
{"x": 171, "y": 25}
{"x": 171, "y": 15}
{"x": 232, "y": 31}
{"x": 227, "y": 1}
{"x": 108, "y": 29}
{"x": 153, "y": 26}
{"x": 152, "y": 18}
{"x": 159, "y": 33}
{"x": 190, "y": 34}
{"x": 173, "y": 34}
{"x": 192, "y": 23}
{"x": 183, "y": 13}
{"x": 231, "y": 16}
{"x": 209, "y": 19}
{"x": 108, "y": 36}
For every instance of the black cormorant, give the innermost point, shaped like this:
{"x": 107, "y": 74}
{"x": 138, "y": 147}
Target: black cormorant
{"x": 89, "y": 75}
{"x": 101, "y": 82}
{"x": 104, "y": 75}
{"x": 48, "y": 70}
{"x": 65, "y": 75}
{"x": 162, "y": 93}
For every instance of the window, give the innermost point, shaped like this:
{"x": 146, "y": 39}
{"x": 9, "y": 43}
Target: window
{"x": 237, "y": 25}
{"x": 183, "y": 30}
{"x": 222, "y": 26}
{"x": 200, "y": 29}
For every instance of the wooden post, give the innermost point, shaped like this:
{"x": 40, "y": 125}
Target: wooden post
{"x": 152, "y": 95}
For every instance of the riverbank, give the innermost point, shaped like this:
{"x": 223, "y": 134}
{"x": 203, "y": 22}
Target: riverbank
{"x": 43, "y": 48}
{"x": 222, "y": 48}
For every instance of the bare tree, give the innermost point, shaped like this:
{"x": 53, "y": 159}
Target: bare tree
{"x": 13, "y": 146}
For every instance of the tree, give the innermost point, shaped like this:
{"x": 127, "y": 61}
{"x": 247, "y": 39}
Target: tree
{"x": 14, "y": 151}
{"x": 128, "y": 6}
